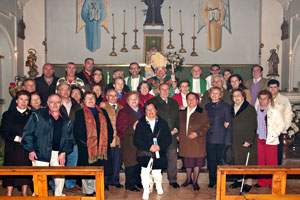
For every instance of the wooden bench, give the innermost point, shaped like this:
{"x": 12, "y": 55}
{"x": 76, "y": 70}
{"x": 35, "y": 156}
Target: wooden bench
{"x": 40, "y": 182}
{"x": 278, "y": 182}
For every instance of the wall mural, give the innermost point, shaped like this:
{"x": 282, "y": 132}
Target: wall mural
{"x": 92, "y": 14}
{"x": 195, "y": 30}
{"x": 214, "y": 14}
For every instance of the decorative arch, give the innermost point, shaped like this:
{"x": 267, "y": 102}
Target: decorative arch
{"x": 9, "y": 60}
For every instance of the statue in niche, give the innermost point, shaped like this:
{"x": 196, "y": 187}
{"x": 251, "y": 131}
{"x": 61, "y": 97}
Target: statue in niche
{"x": 21, "y": 29}
{"x": 284, "y": 30}
{"x": 153, "y": 15}
{"x": 214, "y": 14}
{"x": 273, "y": 62}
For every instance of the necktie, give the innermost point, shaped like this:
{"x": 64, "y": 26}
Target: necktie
{"x": 115, "y": 107}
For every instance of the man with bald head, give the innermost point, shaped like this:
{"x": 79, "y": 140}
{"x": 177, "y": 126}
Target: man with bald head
{"x": 198, "y": 85}
{"x": 46, "y": 83}
{"x": 48, "y": 138}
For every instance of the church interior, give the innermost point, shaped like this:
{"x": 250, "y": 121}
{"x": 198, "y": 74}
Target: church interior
{"x": 235, "y": 34}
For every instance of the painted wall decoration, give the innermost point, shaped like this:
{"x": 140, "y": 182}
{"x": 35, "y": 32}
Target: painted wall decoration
{"x": 214, "y": 14}
{"x": 64, "y": 44}
{"x": 92, "y": 14}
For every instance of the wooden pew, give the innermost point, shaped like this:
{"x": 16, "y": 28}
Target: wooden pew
{"x": 40, "y": 182}
{"x": 278, "y": 182}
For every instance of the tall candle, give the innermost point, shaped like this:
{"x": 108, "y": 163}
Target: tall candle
{"x": 113, "y": 23}
{"x": 135, "y": 21}
{"x": 124, "y": 12}
{"x": 194, "y": 24}
{"x": 180, "y": 21}
{"x": 170, "y": 24}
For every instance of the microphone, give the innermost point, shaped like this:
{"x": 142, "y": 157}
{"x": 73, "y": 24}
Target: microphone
{"x": 157, "y": 152}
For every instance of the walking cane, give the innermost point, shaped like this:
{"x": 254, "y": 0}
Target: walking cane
{"x": 246, "y": 164}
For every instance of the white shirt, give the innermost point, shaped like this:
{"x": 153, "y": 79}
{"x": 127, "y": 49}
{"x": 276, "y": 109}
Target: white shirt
{"x": 237, "y": 107}
{"x": 151, "y": 123}
{"x": 21, "y": 110}
{"x": 188, "y": 114}
{"x": 208, "y": 82}
{"x": 67, "y": 106}
{"x": 115, "y": 106}
{"x": 134, "y": 82}
{"x": 196, "y": 85}
{"x": 183, "y": 97}
{"x": 256, "y": 80}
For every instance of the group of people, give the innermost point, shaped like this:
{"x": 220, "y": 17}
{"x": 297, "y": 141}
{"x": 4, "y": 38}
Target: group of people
{"x": 144, "y": 125}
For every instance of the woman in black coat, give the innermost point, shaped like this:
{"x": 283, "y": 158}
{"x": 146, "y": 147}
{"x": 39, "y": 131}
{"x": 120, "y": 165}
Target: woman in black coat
{"x": 218, "y": 135}
{"x": 152, "y": 138}
{"x": 244, "y": 125}
{"x": 12, "y": 124}
{"x": 93, "y": 134}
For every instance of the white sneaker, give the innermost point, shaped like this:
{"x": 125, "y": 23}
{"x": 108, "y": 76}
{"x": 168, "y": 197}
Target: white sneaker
{"x": 145, "y": 195}
{"x": 159, "y": 190}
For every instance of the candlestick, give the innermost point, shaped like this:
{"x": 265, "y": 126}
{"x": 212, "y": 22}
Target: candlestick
{"x": 113, "y": 23}
{"x": 170, "y": 24}
{"x": 124, "y": 49}
{"x": 180, "y": 21}
{"x": 113, "y": 37}
{"x": 124, "y": 13}
{"x": 194, "y": 24}
{"x": 135, "y": 20}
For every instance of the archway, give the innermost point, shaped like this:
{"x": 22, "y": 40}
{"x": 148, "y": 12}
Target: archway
{"x": 6, "y": 68}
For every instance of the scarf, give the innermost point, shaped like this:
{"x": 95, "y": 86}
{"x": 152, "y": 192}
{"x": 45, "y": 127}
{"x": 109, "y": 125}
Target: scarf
{"x": 95, "y": 151}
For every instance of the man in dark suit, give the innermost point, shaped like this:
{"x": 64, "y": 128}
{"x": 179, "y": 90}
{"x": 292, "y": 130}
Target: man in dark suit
{"x": 168, "y": 109}
{"x": 46, "y": 84}
{"x": 86, "y": 72}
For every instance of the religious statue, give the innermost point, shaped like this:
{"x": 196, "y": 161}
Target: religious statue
{"x": 214, "y": 14}
{"x": 21, "y": 29}
{"x": 153, "y": 16}
{"x": 30, "y": 62}
{"x": 273, "y": 62}
{"x": 93, "y": 14}
{"x": 284, "y": 30}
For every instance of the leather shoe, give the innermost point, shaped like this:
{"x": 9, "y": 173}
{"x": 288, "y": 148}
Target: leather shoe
{"x": 186, "y": 183}
{"x": 236, "y": 184}
{"x": 90, "y": 195}
{"x": 174, "y": 185}
{"x": 211, "y": 185}
{"x": 118, "y": 185}
{"x": 132, "y": 188}
{"x": 106, "y": 187}
{"x": 196, "y": 187}
{"x": 257, "y": 185}
{"x": 139, "y": 185}
{"x": 247, "y": 188}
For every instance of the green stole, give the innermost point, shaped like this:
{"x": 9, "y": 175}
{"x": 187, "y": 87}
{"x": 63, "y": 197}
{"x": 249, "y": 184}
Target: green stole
{"x": 202, "y": 82}
{"x": 129, "y": 81}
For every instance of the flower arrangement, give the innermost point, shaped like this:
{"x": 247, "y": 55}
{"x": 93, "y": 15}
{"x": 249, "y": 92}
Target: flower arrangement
{"x": 16, "y": 85}
{"x": 294, "y": 128}
{"x": 293, "y": 137}
{"x": 175, "y": 61}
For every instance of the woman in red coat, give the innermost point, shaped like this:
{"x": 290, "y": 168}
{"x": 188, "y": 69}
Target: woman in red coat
{"x": 144, "y": 88}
